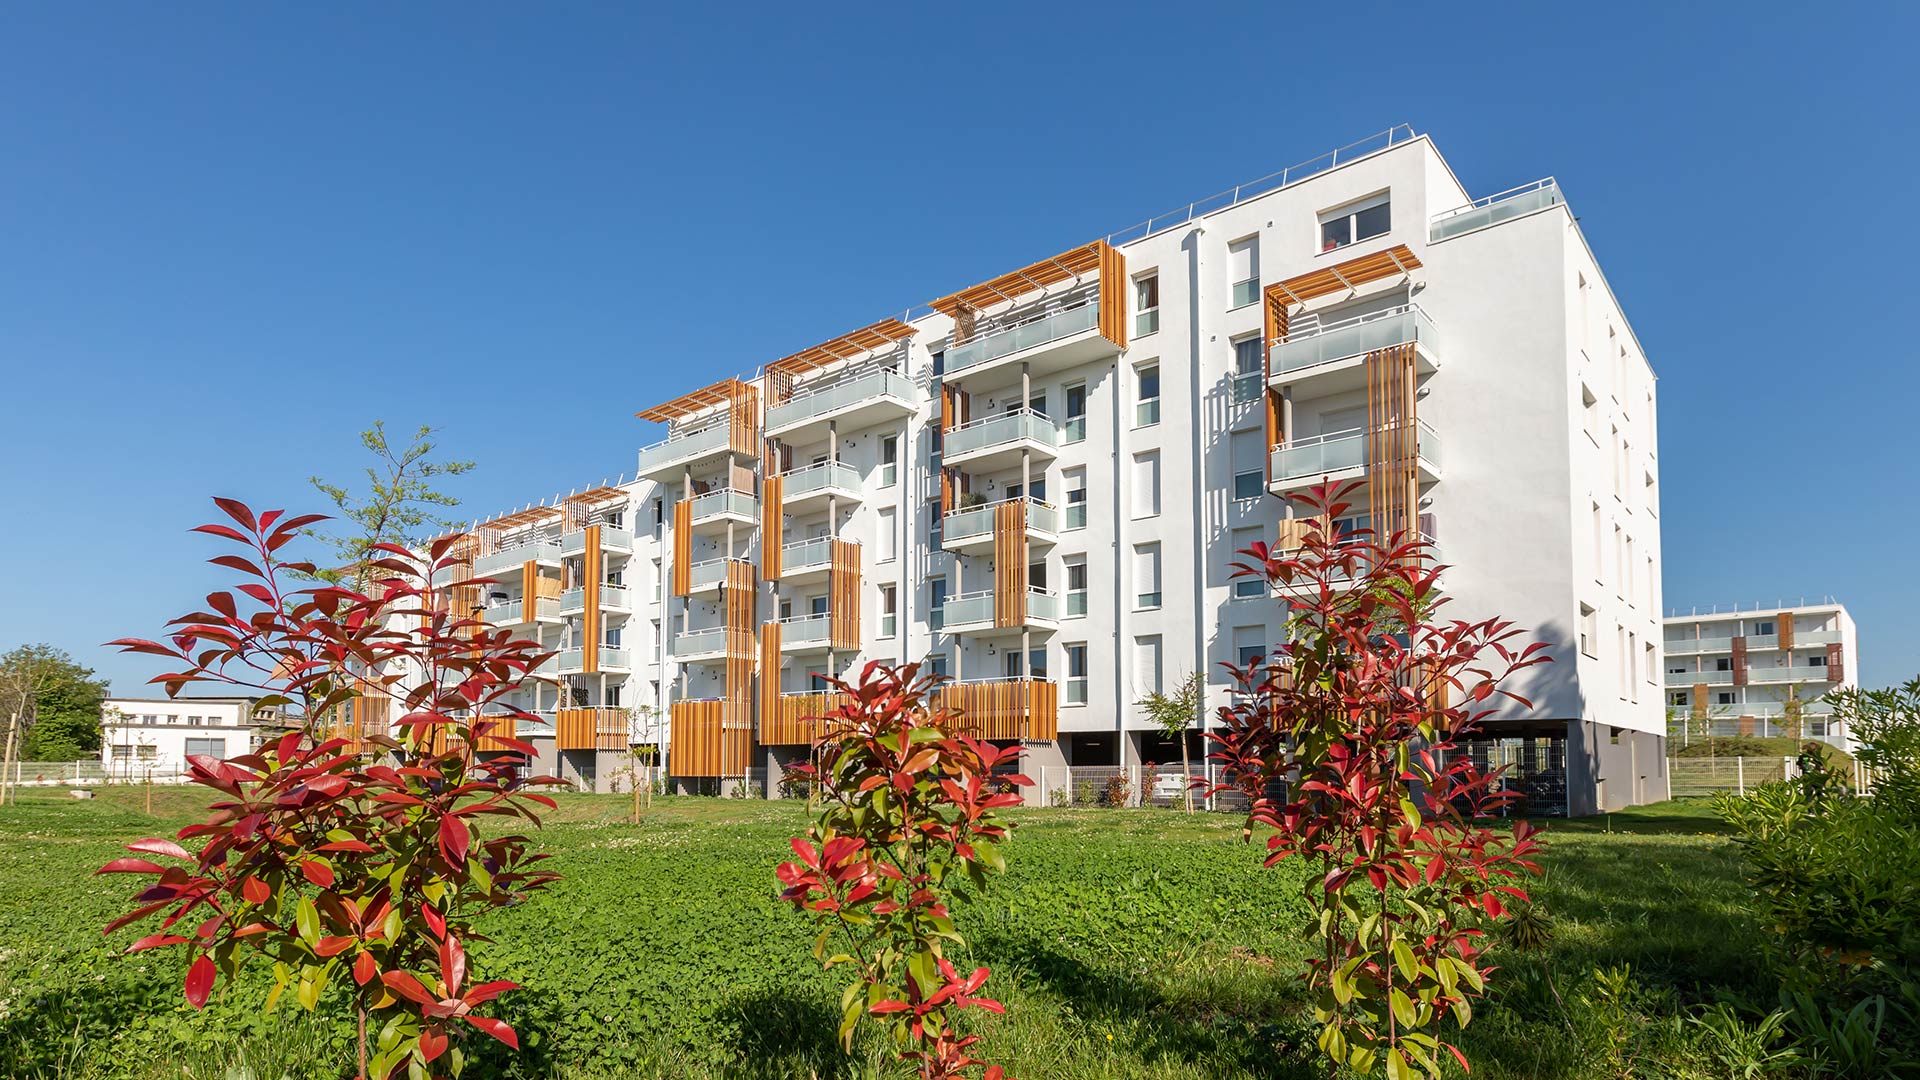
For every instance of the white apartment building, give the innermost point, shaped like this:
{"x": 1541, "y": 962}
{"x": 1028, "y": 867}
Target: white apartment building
{"x": 1761, "y": 670}
{"x": 1037, "y": 485}
{"x": 155, "y": 736}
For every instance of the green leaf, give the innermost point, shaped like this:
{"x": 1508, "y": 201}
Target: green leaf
{"x": 1403, "y": 961}
{"x": 1402, "y": 1008}
{"x": 306, "y": 919}
{"x": 1462, "y": 1012}
{"x": 1397, "y": 1067}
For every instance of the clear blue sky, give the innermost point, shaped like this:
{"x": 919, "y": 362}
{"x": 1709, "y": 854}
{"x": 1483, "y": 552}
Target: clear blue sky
{"x": 231, "y": 235}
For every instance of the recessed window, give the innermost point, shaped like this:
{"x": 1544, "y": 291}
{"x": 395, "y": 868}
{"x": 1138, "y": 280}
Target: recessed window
{"x": 1076, "y": 586}
{"x": 1765, "y": 628}
{"x": 1076, "y": 517}
{"x": 1076, "y": 418}
{"x": 1246, "y": 586}
{"x": 1146, "y": 484}
{"x": 1249, "y": 368}
{"x": 1243, "y": 267}
{"x": 889, "y": 460}
{"x": 1147, "y": 408}
{"x": 1589, "y": 631}
{"x": 889, "y": 540}
{"x": 1076, "y": 674}
{"x": 1146, "y": 575}
{"x": 1146, "y": 305}
{"x": 889, "y": 611}
{"x": 1723, "y": 697}
{"x": 1363, "y": 220}
{"x": 936, "y": 602}
{"x": 1146, "y": 665}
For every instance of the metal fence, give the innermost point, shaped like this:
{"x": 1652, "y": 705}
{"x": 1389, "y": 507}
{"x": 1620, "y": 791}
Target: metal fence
{"x": 1701, "y": 776}
{"x": 94, "y": 771}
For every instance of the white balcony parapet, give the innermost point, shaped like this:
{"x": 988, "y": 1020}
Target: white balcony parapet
{"x": 678, "y": 448}
{"x": 978, "y": 520}
{"x": 831, "y": 397}
{"x": 1706, "y": 678}
{"x": 1496, "y": 208}
{"x": 972, "y": 612}
{"x": 1690, "y": 646}
{"x": 1000, "y": 429}
{"x": 1325, "y": 454}
{"x": 1031, "y": 333}
{"x": 712, "y": 641}
{"x": 820, "y": 476}
{"x": 724, "y": 501}
{"x": 514, "y": 557}
{"x": 807, "y": 554}
{"x": 810, "y": 629}
{"x": 1353, "y": 337}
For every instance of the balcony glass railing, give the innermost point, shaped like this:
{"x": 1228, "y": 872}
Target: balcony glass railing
{"x": 506, "y": 614}
{"x": 675, "y": 450}
{"x": 514, "y": 557}
{"x": 1246, "y": 292}
{"x": 975, "y": 611}
{"x": 1000, "y": 430}
{"x": 811, "y": 478}
{"x": 810, "y": 402}
{"x": 703, "y": 575}
{"x": 1816, "y": 637}
{"x": 1787, "y": 674}
{"x": 1495, "y": 209}
{"x": 571, "y": 659}
{"x": 1340, "y": 450}
{"x": 812, "y": 629}
{"x": 1690, "y": 646}
{"x": 725, "y": 501}
{"x": 1246, "y": 387}
{"x": 977, "y": 521}
{"x": 698, "y": 642}
{"x": 573, "y": 601}
{"x": 806, "y": 554}
{"x": 614, "y": 596}
{"x": 1707, "y": 678}
{"x": 996, "y": 343}
{"x": 1354, "y": 337}
{"x": 1146, "y": 322}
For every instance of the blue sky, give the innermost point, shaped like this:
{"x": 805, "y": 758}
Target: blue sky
{"x": 233, "y": 235}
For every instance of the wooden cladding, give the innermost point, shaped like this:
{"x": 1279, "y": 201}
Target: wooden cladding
{"x": 773, "y": 517}
{"x": 769, "y": 674}
{"x": 1113, "y": 294}
{"x": 1785, "y": 626}
{"x": 1011, "y": 288}
{"x": 1396, "y": 261}
{"x": 1836, "y": 661}
{"x": 590, "y": 728}
{"x": 497, "y": 729}
{"x": 1010, "y": 564}
{"x": 357, "y": 721}
{"x": 800, "y": 719}
{"x": 1393, "y": 442}
{"x": 738, "y": 595}
{"x": 704, "y": 743}
{"x": 1740, "y": 660}
{"x": 953, "y": 484}
{"x": 881, "y": 336}
{"x": 1699, "y": 707}
{"x": 681, "y": 582}
{"x": 743, "y": 423}
{"x": 956, "y": 407}
{"x": 1273, "y": 403}
{"x": 1004, "y": 710}
{"x": 529, "y": 591}
{"x": 592, "y": 572}
{"x": 843, "y": 595}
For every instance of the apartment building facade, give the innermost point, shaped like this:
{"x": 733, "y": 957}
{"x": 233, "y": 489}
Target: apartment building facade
{"x": 1761, "y": 671}
{"x": 1036, "y": 485}
{"x": 154, "y": 737}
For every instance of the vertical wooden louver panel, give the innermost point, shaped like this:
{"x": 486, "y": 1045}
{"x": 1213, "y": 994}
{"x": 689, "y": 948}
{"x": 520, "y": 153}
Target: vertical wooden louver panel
{"x": 1392, "y": 442}
{"x": 1699, "y": 702}
{"x": 736, "y": 714}
{"x": 743, "y": 421}
{"x": 695, "y": 738}
{"x": 843, "y": 596}
{"x": 1836, "y": 662}
{"x": 590, "y": 619}
{"x": 681, "y": 574}
{"x": 1272, "y": 407}
{"x": 1010, "y": 564}
{"x": 1784, "y": 622}
{"x": 769, "y": 679}
{"x": 779, "y": 387}
{"x": 529, "y": 591}
{"x": 1113, "y": 293}
{"x": 773, "y": 518}
{"x": 1740, "y": 660}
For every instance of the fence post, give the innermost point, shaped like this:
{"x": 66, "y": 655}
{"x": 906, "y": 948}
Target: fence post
{"x": 1740, "y": 772}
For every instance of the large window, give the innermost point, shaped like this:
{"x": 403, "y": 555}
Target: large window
{"x": 1076, "y": 585}
{"x": 936, "y": 602}
{"x": 1363, "y": 220}
{"x": 1247, "y": 586}
{"x": 1146, "y": 665}
{"x": 213, "y": 748}
{"x": 888, "y": 537}
{"x": 889, "y": 611}
{"x": 889, "y": 460}
{"x": 1146, "y": 305}
{"x": 1249, "y": 464}
{"x": 1589, "y": 631}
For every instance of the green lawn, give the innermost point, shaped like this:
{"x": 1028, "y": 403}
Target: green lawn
{"x": 1125, "y": 943}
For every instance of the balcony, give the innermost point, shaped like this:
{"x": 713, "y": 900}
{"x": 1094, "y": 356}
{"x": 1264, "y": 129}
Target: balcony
{"x": 513, "y": 613}
{"x": 816, "y": 483}
{"x": 973, "y": 613}
{"x": 715, "y": 510}
{"x": 1810, "y": 638}
{"x": 1331, "y": 358}
{"x": 877, "y": 397}
{"x": 1047, "y": 339}
{"x": 1494, "y": 209}
{"x": 971, "y": 530}
{"x": 806, "y": 633}
{"x": 1003, "y": 709}
{"x": 994, "y": 442}
{"x": 1685, "y": 679}
{"x": 695, "y": 646}
{"x": 1695, "y": 646}
{"x": 613, "y": 598}
{"x": 708, "y": 576}
{"x": 573, "y": 661}
{"x": 611, "y": 539}
{"x": 1342, "y": 456}
{"x": 1773, "y": 676}
{"x": 806, "y": 560}
{"x": 592, "y": 727}
{"x": 511, "y": 559}
{"x": 666, "y": 459}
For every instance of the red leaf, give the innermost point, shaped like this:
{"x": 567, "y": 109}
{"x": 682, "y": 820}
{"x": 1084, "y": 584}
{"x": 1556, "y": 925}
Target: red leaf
{"x": 407, "y": 987}
{"x": 454, "y": 838}
{"x": 131, "y": 866}
{"x": 364, "y": 968}
{"x": 255, "y": 891}
{"x": 317, "y": 872}
{"x": 199, "y": 982}
{"x": 434, "y": 922}
{"x": 499, "y": 1029}
{"x": 432, "y": 1043}
{"x": 225, "y": 531}
{"x": 236, "y": 510}
{"x": 159, "y": 847}
{"x": 156, "y": 941}
{"x": 333, "y": 946}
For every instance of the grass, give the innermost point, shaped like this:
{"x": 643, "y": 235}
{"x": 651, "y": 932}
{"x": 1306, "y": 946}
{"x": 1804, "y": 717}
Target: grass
{"x": 1125, "y": 943}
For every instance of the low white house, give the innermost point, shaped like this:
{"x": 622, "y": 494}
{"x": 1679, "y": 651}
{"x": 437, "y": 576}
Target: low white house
{"x": 153, "y": 737}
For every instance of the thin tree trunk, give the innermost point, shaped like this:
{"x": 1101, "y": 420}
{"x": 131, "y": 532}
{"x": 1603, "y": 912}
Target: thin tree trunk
{"x": 7, "y": 792}
{"x": 1186, "y": 770}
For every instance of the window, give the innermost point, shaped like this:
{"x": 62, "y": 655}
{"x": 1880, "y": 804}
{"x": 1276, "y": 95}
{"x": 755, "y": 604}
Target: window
{"x": 1146, "y": 575}
{"x": 1146, "y": 412}
{"x": 213, "y": 748}
{"x": 1590, "y": 414}
{"x": 889, "y": 611}
{"x": 1589, "y": 631}
{"x": 889, "y": 460}
{"x": 1627, "y": 572}
{"x": 1615, "y": 443}
{"x": 1653, "y": 664}
{"x": 1247, "y": 586}
{"x": 1037, "y": 575}
{"x": 1249, "y": 367}
{"x": 1677, "y": 698}
{"x": 1146, "y": 305}
{"x": 1249, "y": 644}
{"x": 1723, "y": 663}
{"x": 1626, "y": 666}
{"x": 1599, "y": 549}
{"x": 1249, "y": 465}
{"x": 1723, "y": 697}
{"x": 1818, "y": 660}
{"x": 122, "y": 752}
{"x": 1146, "y": 484}
{"x": 1243, "y": 269}
{"x": 1613, "y": 736}
{"x": 1619, "y": 560}
{"x": 1764, "y": 628}
{"x": 1076, "y": 585}
{"x": 937, "y": 664}
{"x": 1363, "y": 220}
{"x": 1077, "y": 674}
{"x": 1076, "y": 418}
{"x": 889, "y": 539}
{"x": 1076, "y": 498}
{"x": 936, "y": 602}
{"x": 613, "y": 696}
{"x": 611, "y": 636}
{"x": 1146, "y": 666}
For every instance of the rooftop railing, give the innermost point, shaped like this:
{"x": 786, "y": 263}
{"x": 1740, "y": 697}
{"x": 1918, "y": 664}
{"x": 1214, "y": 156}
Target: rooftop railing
{"x": 1494, "y": 209}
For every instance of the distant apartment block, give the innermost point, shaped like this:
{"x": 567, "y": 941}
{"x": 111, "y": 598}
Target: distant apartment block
{"x": 1037, "y": 484}
{"x": 156, "y": 736}
{"x": 1761, "y": 670}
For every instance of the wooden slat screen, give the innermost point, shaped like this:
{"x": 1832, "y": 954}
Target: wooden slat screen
{"x": 1344, "y": 277}
{"x": 1785, "y": 626}
{"x": 1010, "y": 564}
{"x": 843, "y": 595}
{"x": 695, "y": 738}
{"x": 743, "y": 421}
{"x": 590, "y": 727}
{"x": 736, "y": 714}
{"x": 498, "y": 727}
{"x": 1699, "y": 701}
{"x": 1740, "y": 660}
{"x": 1003, "y": 710}
{"x": 1393, "y": 480}
{"x": 1836, "y": 661}
{"x": 1272, "y": 400}
{"x": 769, "y": 674}
{"x": 682, "y": 579}
{"x": 529, "y": 590}
{"x": 591, "y": 571}
{"x": 1113, "y": 294}
{"x": 773, "y": 517}
{"x": 799, "y": 719}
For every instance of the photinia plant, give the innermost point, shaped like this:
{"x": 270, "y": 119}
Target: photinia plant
{"x": 1362, "y": 714}
{"x": 340, "y": 872}
{"x": 907, "y": 824}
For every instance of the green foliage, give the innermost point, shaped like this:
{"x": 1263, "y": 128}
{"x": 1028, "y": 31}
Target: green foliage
{"x": 400, "y": 505}
{"x": 58, "y": 701}
{"x": 1887, "y": 724}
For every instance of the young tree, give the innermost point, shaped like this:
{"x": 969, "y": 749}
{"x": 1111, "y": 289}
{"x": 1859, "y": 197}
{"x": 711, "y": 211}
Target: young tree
{"x": 399, "y": 506}
{"x": 1363, "y": 713}
{"x": 1174, "y": 714}
{"x": 52, "y": 709}
{"x": 329, "y": 868}
{"x": 908, "y": 823}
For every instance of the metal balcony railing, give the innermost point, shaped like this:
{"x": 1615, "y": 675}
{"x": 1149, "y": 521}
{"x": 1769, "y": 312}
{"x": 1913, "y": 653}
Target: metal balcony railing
{"x": 698, "y": 642}
{"x": 811, "y": 629}
{"x": 724, "y": 501}
{"x": 975, "y": 611}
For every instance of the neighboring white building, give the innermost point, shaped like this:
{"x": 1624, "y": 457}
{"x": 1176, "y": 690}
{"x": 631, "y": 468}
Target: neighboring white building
{"x": 1038, "y": 485}
{"x": 1762, "y": 670}
{"x": 155, "y": 735}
